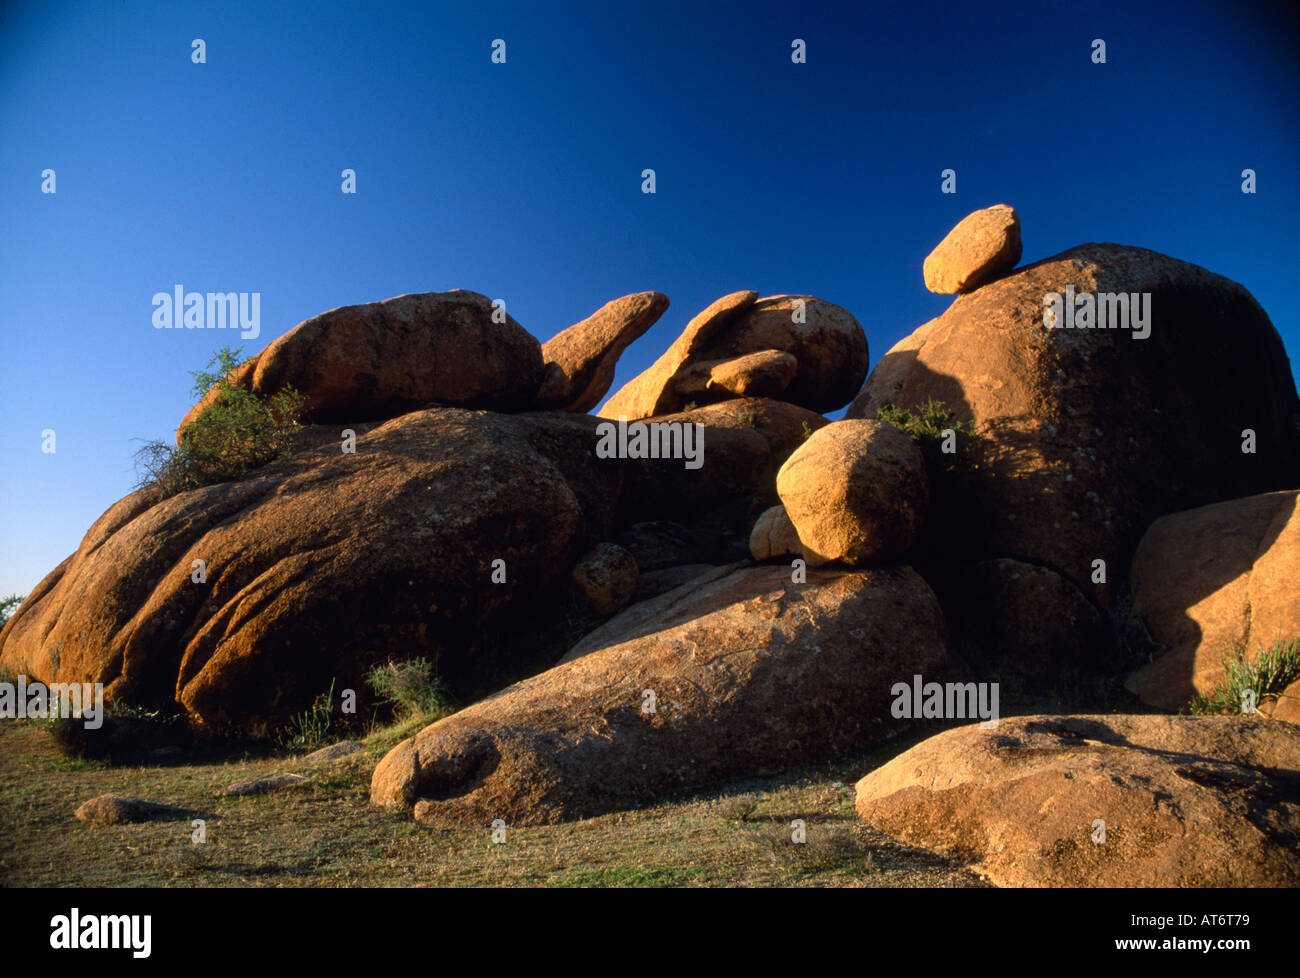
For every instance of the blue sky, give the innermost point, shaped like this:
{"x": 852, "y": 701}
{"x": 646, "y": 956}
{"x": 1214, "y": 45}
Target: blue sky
{"x": 523, "y": 180}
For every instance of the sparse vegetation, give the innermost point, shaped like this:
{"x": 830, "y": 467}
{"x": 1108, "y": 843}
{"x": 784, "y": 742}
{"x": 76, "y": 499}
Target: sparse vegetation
{"x": 238, "y": 432}
{"x": 8, "y": 606}
{"x": 738, "y": 808}
{"x": 928, "y": 425}
{"x": 310, "y": 729}
{"x": 807, "y": 431}
{"x": 747, "y": 416}
{"x": 411, "y": 688}
{"x": 328, "y": 834}
{"x": 1272, "y": 671}
{"x": 827, "y": 847}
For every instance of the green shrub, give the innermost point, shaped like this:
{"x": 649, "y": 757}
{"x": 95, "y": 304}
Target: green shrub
{"x": 8, "y": 606}
{"x": 309, "y": 729}
{"x": 238, "y": 432}
{"x": 926, "y": 425}
{"x": 410, "y": 687}
{"x": 1272, "y": 671}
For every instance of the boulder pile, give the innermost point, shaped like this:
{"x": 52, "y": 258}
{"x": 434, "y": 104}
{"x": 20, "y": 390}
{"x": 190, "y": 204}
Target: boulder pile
{"x": 1042, "y": 485}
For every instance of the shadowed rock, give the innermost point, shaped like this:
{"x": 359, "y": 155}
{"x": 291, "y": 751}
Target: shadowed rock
{"x": 736, "y": 673}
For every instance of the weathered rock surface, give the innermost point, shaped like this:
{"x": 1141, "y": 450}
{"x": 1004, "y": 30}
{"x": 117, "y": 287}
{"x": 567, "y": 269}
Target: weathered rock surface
{"x": 1090, "y": 434}
{"x": 333, "y": 752}
{"x": 322, "y": 564}
{"x": 735, "y": 345}
{"x": 984, "y": 245}
{"x": 650, "y": 392}
{"x": 263, "y": 784}
{"x": 1186, "y": 801}
{"x": 580, "y": 361}
{"x": 1211, "y": 581}
{"x": 773, "y": 535}
{"x": 606, "y": 577}
{"x": 121, "y": 810}
{"x": 382, "y": 359}
{"x": 763, "y": 374}
{"x": 825, "y": 339}
{"x": 747, "y": 673}
{"x": 325, "y": 563}
{"x": 856, "y": 492}
{"x": 1029, "y": 620}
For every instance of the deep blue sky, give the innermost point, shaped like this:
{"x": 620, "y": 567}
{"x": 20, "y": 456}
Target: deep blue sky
{"x": 522, "y": 180}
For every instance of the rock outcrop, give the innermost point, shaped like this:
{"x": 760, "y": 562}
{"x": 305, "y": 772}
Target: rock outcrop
{"x": 1210, "y": 582}
{"x": 736, "y": 673}
{"x": 735, "y": 346}
{"x": 856, "y": 492}
{"x": 1086, "y": 435}
{"x": 1102, "y": 800}
{"x": 580, "y": 361}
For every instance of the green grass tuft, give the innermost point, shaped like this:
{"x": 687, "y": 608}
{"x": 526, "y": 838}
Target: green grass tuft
{"x": 1272, "y": 671}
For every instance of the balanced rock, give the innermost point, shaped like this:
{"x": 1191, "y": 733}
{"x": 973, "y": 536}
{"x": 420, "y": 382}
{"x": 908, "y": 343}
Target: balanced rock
{"x": 1072, "y": 466}
{"x": 827, "y": 343}
{"x": 1210, "y": 582}
{"x": 856, "y": 492}
{"x": 650, "y": 392}
{"x": 580, "y": 361}
{"x": 763, "y": 374}
{"x": 735, "y": 674}
{"x": 1102, "y": 801}
{"x": 983, "y": 246}
{"x": 607, "y": 576}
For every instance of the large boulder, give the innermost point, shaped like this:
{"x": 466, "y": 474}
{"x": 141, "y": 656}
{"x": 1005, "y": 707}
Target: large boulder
{"x": 737, "y": 673}
{"x": 1088, "y": 435}
{"x": 983, "y": 245}
{"x": 746, "y": 440}
{"x": 1182, "y": 801}
{"x": 735, "y": 346}
{"x": 856, "y": 492}
{"x": 1210, "y": 582}
{"x": 325, "y": 563}
{"x": 318, "y": 566}
{"x": 381, "y": 359}
{"x": 580, "y": 361}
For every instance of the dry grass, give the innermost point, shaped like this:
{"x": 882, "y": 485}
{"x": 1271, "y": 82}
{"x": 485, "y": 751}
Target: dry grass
{"x": 327, "y": 834}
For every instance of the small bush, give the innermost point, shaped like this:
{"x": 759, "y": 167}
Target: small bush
{"x": 8, "y": 606}
{"x": 807, "y": 431}
{"x": 827, "y": 847}
{"x": 1272, "y": 671}
{"x": 738, "y": 808}
{"x": 238, "y": 432}
{"x": 926, "y": 426}
{"x": 747, "y": 416}
{"x": 410, "y": 687}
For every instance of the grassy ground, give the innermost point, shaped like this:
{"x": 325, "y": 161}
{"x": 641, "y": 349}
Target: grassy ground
{"x": 327, "y": 834}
